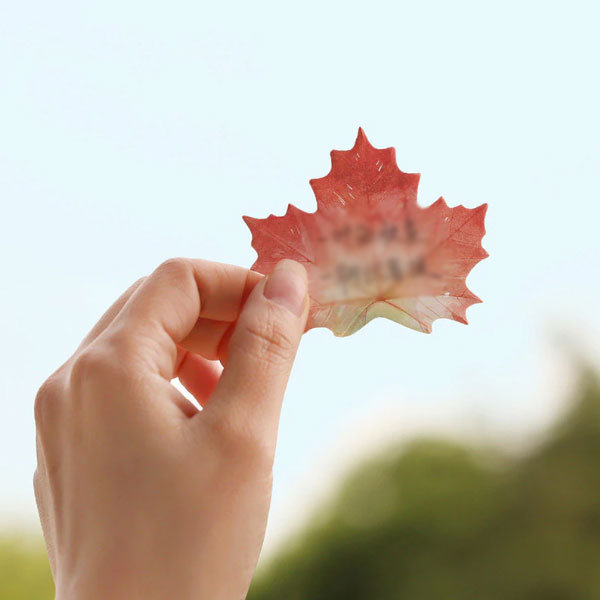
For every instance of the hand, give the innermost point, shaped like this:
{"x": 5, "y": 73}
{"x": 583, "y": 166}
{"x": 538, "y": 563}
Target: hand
{"x": 140, "y": 494}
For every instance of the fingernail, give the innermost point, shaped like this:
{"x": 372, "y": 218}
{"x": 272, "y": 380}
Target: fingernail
{"x": 287, "y": 286}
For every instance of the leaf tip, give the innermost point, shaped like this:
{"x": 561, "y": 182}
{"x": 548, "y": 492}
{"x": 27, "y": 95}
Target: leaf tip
{"x": 361, "y": 140}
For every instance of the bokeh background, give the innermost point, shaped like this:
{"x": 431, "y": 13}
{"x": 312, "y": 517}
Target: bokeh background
{"x": 132, "y": 132}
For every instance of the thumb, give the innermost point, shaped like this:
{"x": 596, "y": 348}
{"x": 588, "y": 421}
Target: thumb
{"x": 261, "y": 352}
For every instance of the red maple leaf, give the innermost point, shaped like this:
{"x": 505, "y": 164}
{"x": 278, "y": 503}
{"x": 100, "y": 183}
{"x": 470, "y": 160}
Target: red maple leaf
{"x": 370, "y": 250}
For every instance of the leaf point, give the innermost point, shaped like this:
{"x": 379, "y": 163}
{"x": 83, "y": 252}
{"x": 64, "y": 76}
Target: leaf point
{"x": 361, "y": 138}
{"x": 250, "y": 221}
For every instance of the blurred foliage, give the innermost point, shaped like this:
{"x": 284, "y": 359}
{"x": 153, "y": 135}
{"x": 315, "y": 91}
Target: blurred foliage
{"x": 436, "y": 520}
{"x": 432, "y": 521}
{"x": 24, "y": 570}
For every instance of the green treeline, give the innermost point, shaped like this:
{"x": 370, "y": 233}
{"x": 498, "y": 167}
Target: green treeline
{"x": 438, "y": 521}
{"x": 24, "y": 570}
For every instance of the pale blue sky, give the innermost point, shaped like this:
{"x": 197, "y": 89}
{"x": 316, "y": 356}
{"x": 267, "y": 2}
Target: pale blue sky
{"x": 131, "y": 132}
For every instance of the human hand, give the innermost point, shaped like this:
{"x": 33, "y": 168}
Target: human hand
{"x": 140, "y": 494}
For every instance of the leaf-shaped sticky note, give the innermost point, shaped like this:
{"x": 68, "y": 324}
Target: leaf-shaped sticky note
{"x": 370, "y": 250}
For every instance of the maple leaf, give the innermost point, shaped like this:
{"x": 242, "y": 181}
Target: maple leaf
{"x": 370, "y": 250}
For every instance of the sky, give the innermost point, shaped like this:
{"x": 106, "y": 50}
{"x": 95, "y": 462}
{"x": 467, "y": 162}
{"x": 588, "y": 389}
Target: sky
{"x": 133, "y": 132}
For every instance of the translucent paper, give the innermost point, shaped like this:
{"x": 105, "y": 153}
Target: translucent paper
{"x": 370, "y": 250}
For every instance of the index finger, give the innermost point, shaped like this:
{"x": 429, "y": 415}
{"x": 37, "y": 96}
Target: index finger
{"x": 169, "y": 303}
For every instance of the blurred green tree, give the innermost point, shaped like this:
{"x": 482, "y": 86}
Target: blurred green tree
{"x": 24, "y": 570}
{"x": 440, "y": 521}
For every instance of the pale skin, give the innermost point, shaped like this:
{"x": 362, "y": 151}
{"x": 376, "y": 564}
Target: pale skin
{"x": 140, "y": 494}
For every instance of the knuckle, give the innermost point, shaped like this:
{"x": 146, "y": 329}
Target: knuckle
{"x": 92, "y": 365}
{"x": 271, "y": 341}
{"x": 46, "y": 399}
{"x": 138, "y": 282}
{"x": 173, "y": 267}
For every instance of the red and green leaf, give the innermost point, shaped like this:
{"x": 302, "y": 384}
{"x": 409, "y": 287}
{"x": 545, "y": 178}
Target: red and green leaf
{"x": 370, "y": 250}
